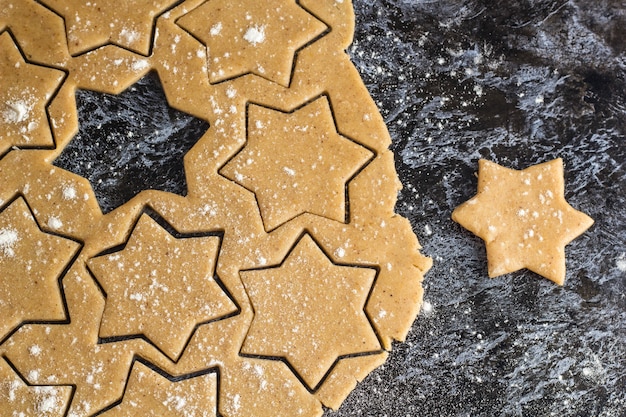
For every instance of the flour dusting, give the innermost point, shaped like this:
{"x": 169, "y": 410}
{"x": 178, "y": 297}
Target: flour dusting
{"x": 17, "y": 111}
{"x": 8, "y": 239}
{"x": 255, "y": 35}
{"x": 54, "y": 223}
{"x": 69, "y": 193}
{"x": 621, "y": 262}
{"x": 216, "y": 29}
{"x": 129, "y": 36}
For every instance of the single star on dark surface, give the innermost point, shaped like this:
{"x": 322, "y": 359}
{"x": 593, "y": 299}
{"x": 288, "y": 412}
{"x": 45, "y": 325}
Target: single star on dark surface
{"x": 130, "y": 142}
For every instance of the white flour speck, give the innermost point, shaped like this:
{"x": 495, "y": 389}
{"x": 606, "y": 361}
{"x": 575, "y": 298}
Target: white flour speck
{"x": 236, "y": 402}
{"x": 139, "y": 65}
{"x": 33, "y": 376}
{"x": 17, "y": 111}
{"x": 69, "y": 192}
{"x": 8, "y": 239}
{"x": 231, "y": 92}
{"x": 47, "y": 402}
{"x": 255, "y": 35}
{"x": 54, "y": 223}
{"x": 340, "y": 252}
{"x": 216, "y": 29}
{"x": 129, "y": 36}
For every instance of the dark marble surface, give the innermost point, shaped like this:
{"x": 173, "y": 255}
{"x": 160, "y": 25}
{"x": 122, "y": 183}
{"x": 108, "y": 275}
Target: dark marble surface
{"x": 124, "y": 160}
{"x": 517, "y": 83}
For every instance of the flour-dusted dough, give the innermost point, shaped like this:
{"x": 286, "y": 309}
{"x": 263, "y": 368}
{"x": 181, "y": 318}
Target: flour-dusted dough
{"x": 523, "y": 218}
{"x": 293, "y": 178}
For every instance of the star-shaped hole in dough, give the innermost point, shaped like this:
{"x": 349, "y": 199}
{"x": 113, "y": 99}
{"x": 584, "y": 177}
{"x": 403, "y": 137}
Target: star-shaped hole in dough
{"x": 251, "y": 36}
{"x": 296, "y": 163}
{"x": 309, "y": 311}
{"x": 19, "y": 399}
{"x": 161, "y": 287}
{"x": 137, "y": 142}
{"x": 25, "y": 91}
{"x": 31, "y": 264}
{"x": 152, "y": 394}
{"x": 523, "y": 218}
{"x": 93, "y": 23}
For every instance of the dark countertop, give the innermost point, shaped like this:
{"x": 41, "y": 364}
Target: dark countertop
{"x": 517, "y": 83}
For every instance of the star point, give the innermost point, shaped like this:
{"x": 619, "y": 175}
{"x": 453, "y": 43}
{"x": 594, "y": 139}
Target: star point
{"x": 309, "y": 311}
{"x": 523, "y": 218}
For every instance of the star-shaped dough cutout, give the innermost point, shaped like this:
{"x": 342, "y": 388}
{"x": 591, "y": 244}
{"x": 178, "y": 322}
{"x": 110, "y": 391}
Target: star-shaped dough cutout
{"x": 70, "y": 354}
{"x": 91, "y": 24}
{"x": 19, "y": 399}
{"x": 25, "y": 90}
{"x": 151, "y": 394}
{"x": 31, "y": 263}
{"x": 251, "y": 36}
{"x": 309, "y": 311}
{"x": 523, "y": 218}
{"x": 160, "y": 287}
{"x": 296, "y": 163}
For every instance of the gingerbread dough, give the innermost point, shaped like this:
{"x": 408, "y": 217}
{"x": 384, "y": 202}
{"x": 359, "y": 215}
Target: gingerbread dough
{"x": 280, "y": 277}
{"x": 523, "y": 218}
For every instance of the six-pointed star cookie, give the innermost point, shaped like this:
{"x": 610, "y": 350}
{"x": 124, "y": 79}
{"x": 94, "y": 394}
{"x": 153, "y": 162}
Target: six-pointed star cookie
{"x": 148, "y": 393}
{"x": 25, "y": 90}
{"x": 309, "y": 311}
{"x": 31, "y": 263}
{"x": 296, "y": 163}
{"x": 19, "y": 399}
{"x": 523, "y": 218}
{"x": 160, "y": 287}
{"x": 251, "y": 36}
{"x": 90, "y": 24}
{"x": 69, "y": 354}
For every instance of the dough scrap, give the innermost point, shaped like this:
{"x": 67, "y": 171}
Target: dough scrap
{"x": 523, "y": 218}
{"x": 339, "y": 225}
